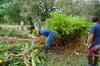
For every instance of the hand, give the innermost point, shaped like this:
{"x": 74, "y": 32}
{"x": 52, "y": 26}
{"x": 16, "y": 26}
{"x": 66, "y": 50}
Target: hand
{"x": 87, "y": 44}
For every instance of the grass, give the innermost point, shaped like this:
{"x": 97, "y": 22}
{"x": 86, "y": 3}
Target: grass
{"x": 67, "y": 57}
{"x": 63, "y": 58}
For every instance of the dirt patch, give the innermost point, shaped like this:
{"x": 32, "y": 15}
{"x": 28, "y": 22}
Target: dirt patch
{"x": 66, "y": 57}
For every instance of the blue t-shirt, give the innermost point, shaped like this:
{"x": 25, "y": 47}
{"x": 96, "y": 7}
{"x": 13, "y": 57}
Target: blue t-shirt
{"x": 46, "y": 32}
{"x": 95, "y": 29}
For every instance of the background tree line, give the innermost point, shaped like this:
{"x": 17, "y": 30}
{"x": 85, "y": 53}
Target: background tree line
{"x": 12, "y": 11}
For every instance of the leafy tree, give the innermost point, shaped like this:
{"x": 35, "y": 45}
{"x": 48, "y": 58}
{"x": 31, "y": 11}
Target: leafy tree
{"x": 9, "y": 11}
{"x": 97, "y": 7}
{"x": 76, "y": 7}
{"x": 37, "y": 8}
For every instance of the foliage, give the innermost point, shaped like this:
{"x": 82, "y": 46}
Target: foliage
{"x": 97, "y": 7}
{"x": 3, "y": 32}
{"x": 20, "y": 54}
{"x": 76, "y": 7}
{"x": 9, "y": 11}
{"x": 37, "y": 8}
{"x": 67, "y": 26}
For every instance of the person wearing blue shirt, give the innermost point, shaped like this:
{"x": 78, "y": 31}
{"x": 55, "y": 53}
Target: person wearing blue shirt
{"x": 50, "y": 35}
{"x": 47, "y": 33}
{"x": 94, "y": 43}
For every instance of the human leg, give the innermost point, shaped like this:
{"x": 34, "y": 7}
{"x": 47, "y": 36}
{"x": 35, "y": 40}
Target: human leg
{"x": 90, "y": 55}
{"x": 48, "y": 42}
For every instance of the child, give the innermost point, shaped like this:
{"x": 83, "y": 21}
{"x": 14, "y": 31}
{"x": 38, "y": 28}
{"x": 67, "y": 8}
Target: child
{"x": 47, "y": 33}
{"x": 94, "y": 43}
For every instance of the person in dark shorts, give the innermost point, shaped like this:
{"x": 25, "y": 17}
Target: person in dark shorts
{"x": 94, "y": 43}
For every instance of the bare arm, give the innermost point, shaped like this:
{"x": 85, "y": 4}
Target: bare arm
{"x": 90, "y": 38}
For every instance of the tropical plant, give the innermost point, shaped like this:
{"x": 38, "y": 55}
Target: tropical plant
{"x": 68, "y": 27}
{"x": 21, "y": 55}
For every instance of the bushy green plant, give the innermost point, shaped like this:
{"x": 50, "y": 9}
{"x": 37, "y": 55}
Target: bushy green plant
{"x": 13, "y": 55}
{"x": 67, "y": 26}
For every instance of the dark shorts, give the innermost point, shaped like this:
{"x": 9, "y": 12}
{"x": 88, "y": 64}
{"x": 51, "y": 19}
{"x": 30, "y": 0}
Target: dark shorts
{"x": 93, "y": 49}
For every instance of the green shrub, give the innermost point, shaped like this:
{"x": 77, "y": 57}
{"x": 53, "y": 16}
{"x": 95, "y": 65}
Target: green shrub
{"x": 67, "y": 26}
